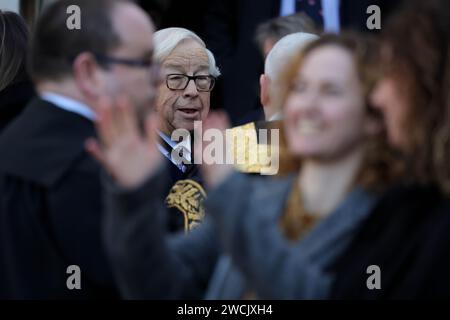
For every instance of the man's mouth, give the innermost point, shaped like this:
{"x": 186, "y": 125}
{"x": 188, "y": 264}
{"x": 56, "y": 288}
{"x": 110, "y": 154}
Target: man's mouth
{"x": 189, "y": 112}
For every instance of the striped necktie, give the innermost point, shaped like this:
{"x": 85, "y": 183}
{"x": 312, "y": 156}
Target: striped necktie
{"x": 181, "y": 161}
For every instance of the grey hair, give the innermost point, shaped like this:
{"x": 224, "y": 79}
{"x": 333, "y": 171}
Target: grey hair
{"x": 166, "y": 40}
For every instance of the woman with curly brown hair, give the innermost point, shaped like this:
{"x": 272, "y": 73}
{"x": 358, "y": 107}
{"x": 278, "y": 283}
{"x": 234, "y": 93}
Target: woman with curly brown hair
{"x": 407, "y": 235}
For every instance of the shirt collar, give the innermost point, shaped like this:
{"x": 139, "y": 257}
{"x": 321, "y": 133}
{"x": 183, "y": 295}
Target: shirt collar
{"x": 168, "y": 153}
{"x": 277, "y": 116}
{"x": 184, "y": 143}
{"x": 167, "y": 139}
{"x": 69, "y": 104}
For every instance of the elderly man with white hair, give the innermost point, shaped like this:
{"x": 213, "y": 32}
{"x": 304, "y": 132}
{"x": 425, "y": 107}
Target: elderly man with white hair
{"x": 188, "y": 71}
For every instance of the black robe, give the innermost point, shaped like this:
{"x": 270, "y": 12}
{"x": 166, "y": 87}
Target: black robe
{"x": 50, "y": 208}
{"x": 184, "y": 196}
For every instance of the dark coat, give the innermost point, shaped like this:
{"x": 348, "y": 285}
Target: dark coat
{"x": 50, "y": 208}
{"x": 407, "y": 237}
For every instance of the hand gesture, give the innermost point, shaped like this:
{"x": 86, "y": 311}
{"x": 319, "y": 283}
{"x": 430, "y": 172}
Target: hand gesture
{"x": 129, "y": 155}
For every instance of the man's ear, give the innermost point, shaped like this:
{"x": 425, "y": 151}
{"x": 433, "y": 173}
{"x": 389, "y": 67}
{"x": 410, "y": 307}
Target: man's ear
{"x": 264, "y": 83}
{"x": 85, "y": 70}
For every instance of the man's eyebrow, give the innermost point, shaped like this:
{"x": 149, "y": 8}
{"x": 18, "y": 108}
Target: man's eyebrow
{"x": 182, "y": 68}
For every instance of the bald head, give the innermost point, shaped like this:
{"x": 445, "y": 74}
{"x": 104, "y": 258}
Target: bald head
{"x": 277, "y": 60}
{"x": 284, "y": 50}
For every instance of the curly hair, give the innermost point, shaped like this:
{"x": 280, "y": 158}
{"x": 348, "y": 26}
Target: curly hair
{"x": 418, "y": 59}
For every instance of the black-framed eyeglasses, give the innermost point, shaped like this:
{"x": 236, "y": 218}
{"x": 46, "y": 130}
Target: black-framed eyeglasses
{"x": 204, "y": 83}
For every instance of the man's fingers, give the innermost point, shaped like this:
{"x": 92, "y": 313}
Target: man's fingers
{"x": 152, "y": 123}
{"x": 218, "y": 120}
{"x": 117, "y": 117}
{"x": 104, "y": 123}
{"x": 104, "y": 126}
{"x": 128, "y": 116}
{"x": 102, "y": 103}
{"x": 115, "y": 120}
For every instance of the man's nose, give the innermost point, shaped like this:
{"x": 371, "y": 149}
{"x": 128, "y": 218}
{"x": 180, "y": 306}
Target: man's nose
{"x": 191, "y": 89}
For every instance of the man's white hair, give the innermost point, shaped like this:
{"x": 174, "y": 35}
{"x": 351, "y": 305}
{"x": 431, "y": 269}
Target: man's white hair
{"x": 284, "y": 50}
{"x": 166, "y": 40}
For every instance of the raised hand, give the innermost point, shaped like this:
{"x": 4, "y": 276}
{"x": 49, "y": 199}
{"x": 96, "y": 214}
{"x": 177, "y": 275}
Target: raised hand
{"x": 129, "y": 155}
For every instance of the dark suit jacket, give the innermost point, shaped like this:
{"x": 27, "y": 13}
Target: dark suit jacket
{"x": 50, "y": 206}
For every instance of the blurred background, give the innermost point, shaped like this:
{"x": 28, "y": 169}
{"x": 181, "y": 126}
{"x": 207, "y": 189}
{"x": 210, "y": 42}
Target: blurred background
{"x": 229, "y": 29}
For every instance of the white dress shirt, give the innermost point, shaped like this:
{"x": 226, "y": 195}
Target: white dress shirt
{"x": 68, "y": 104}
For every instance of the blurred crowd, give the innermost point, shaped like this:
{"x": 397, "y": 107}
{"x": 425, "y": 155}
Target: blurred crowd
{"x": 103, "y": 196}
